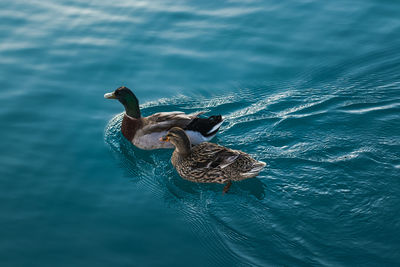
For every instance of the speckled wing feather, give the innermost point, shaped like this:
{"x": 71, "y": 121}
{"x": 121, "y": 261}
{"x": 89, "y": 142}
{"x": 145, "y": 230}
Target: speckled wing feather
{"x": 209, "y": 155}
{"x": 211, "y": 163}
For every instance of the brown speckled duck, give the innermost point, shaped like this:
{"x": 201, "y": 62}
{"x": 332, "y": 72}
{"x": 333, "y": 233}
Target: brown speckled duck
{"x": 208, "y": 162}
{"x": 145, "y": 132}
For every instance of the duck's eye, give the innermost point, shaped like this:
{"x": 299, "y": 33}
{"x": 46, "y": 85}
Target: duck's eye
{"x": 116, "y": 93}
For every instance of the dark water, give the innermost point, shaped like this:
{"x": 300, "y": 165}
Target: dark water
{"x": 310, "y": 87}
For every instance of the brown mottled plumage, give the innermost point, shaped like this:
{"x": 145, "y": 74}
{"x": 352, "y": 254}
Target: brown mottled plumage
{"x": 210, "y": 163}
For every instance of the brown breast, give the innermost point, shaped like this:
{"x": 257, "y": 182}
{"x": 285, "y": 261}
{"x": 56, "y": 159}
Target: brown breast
{"x": 129, "y": 127}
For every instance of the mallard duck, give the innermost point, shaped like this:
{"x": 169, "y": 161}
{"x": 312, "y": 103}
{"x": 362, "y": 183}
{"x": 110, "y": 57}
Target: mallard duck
{"x": 208, "y": 162}
{"x": 145, "y": 132}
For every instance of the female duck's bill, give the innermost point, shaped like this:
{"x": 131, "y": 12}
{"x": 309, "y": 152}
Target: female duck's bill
{"x": 164, "y": 139}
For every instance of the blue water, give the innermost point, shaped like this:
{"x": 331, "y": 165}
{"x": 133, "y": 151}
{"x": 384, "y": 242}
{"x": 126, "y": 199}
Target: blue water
{"x": 310, "y": 87}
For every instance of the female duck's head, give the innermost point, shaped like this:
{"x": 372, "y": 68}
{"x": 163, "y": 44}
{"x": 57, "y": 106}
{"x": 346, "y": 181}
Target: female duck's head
{"x": 128, "y": 99}
{"x": 179, "y": 139}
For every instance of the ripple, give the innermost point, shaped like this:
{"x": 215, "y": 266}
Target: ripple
{"x": 199, "y": 207}
{"x": 311, "y": 88}
{"x": 351, "y": 109}
{"x": 306, "y": 174}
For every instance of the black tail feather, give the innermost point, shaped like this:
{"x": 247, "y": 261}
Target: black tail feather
{"x": 205, "y": 125}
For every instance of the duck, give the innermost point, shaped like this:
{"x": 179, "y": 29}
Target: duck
{"x": 145, "y": 132}
{"x": 209, "y": 162}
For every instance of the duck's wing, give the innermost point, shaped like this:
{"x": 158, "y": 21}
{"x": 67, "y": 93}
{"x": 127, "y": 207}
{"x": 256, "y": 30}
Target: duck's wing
{"x": 207, "y": 163}
{"x": 163, "y": 121}
{"x": 214, "y": 163}
{"x": 213, "y": 156}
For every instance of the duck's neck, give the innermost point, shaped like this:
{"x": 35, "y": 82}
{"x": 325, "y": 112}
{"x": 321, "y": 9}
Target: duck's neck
{"x": 183, "y": 147}
{"x": 131, "y": 105}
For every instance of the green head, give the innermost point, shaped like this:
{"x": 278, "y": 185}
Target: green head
{"x": 128, "y": 99}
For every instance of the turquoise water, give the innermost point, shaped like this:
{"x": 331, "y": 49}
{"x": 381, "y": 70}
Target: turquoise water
{"x": 310, "y": 87}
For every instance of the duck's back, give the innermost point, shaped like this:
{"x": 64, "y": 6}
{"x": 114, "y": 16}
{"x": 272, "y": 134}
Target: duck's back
{"x": 212, "y": 163}
{"x": 157, "y": 125}
{"x": 146, "y": 132}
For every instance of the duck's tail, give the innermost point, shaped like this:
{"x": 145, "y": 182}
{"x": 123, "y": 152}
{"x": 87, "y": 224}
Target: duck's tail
{"x": 208, "y": 127}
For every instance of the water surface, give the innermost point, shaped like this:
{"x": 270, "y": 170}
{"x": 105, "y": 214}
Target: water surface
{"x": 311, "y": 88}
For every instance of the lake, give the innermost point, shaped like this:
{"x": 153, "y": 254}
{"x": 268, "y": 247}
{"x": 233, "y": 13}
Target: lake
{"x": 312, "y": 88}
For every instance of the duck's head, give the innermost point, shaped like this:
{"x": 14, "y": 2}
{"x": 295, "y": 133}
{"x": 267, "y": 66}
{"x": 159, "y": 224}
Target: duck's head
{"x": 179, "y": 139}
{"x": 128, "y": 99}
